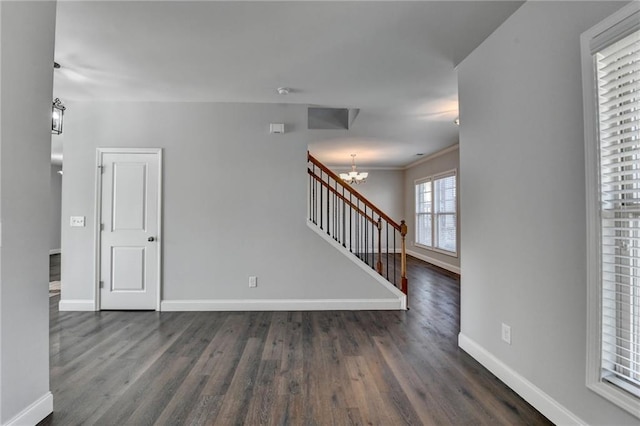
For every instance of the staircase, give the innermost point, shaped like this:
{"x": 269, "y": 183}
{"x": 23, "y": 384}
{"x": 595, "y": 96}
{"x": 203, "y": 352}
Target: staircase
{"x": 357, "y": 224}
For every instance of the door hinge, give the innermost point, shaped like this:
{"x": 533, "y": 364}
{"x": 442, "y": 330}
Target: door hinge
{"x": 101, "y": 168}
{"x": 102, "y": 226}
{"x": 101, "y": 284}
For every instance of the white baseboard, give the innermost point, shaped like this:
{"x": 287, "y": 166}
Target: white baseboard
{"x": 439, "y": 263}
{"x": 282, "y": 305}
{"x": 257, "y": 305}
{"x": 535, "y": 396}
{"x": 77, "y": 305}
{"x": 34, "y": 413}
{"x": 55, "y": 251}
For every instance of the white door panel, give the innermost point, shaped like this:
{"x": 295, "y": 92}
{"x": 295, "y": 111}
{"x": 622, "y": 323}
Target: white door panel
{"x": 127, "y": 269}
{"x": 129, "y": 243}
{"x": 129, "y": 197}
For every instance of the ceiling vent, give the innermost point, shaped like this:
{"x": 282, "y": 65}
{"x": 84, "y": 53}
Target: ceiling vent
{"x": 331, "y": 118}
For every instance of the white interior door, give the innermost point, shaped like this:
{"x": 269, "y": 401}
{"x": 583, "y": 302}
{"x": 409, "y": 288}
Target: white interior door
{"x": 130, "y": 228}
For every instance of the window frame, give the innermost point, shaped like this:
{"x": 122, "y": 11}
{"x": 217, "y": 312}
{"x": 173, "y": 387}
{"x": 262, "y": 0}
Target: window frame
{"x": 433, "y": 214}
{"x": 418, "y": 214}
{"x": 603, "y": 34}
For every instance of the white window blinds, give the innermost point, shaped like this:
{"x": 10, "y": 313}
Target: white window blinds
{"x": 436, "y": 212}
{"x": 424, "y": 210}
{"x": 618, "y": 85}
{"x": 445, "y": 212}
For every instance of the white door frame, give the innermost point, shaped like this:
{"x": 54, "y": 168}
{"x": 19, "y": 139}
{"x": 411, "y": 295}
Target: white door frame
{"x": 98, "y": 218}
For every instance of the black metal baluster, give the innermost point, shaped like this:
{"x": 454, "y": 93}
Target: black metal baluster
{"x": 366, "y": 237}
{"x": 350, "y": 222}
{"x": 373, "y": 244}
{"x": 394, "y": 259}
{"x": 344, "y": 221}
{"x": 335, "y": 211}
{"x": 328, "y": 186}
{"x": 387, "y": 244}
{"x": 321, "y": 200}
{"x": 310, "y": 196}
{"x": 357, "y": 228}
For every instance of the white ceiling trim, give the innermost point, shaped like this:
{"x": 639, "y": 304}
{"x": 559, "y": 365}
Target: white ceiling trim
{"x": 432, "y": 156}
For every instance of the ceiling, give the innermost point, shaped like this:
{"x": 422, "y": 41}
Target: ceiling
{"x": 392, "y": 60}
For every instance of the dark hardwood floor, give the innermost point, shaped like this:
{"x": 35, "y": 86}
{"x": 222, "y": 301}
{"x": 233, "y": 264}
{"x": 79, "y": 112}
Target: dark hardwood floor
{"x": 54, "y": 267}
{"x": 285, "y": 368}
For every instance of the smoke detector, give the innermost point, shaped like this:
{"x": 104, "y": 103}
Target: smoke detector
{"x": 283, "y": 90}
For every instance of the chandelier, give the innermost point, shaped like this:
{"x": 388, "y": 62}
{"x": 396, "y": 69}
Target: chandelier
{"x": 353, "y": 176}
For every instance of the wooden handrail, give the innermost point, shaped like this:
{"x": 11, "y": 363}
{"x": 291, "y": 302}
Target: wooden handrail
{"x": 342, "y": 197}
{"x": 368, "y": 203}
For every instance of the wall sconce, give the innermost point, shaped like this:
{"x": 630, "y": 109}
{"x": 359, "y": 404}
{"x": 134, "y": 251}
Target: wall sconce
{"x": 57, "y": 114}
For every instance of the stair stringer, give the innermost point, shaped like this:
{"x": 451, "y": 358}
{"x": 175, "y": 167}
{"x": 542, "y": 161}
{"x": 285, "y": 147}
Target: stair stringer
{"x": 402, "y": 298}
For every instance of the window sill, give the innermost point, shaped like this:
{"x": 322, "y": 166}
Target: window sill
{"x": 617, "y": 396}
{"x": 436, "y": 250}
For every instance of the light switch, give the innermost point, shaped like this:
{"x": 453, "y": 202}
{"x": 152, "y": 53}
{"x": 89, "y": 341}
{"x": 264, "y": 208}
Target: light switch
{"x": 77, "y": 221}
{"x": 253, "y": 281}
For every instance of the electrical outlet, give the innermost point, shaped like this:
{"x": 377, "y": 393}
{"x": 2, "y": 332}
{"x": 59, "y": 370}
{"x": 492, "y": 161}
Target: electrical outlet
{"x": 506, "y": 333}
{"x": 253, "y": 281}
{"x": 77, "y": 221}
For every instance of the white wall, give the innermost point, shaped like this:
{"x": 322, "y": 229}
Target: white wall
{"x": 55, "y": 201}
{"x": 26, "y": 58}
{"x": 384, "y": 188}
{"x": 234, "y": 202}
{"x": 523, "y": 207}
{"x": 440, "y": 162}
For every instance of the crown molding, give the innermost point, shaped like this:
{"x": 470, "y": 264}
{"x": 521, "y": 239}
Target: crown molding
{"x": 432, "y": 156}
{"x": 366, "y": 168}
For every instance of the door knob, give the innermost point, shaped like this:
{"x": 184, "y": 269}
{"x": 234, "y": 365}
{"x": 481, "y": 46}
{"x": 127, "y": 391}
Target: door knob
{"x": 151, "y": 239}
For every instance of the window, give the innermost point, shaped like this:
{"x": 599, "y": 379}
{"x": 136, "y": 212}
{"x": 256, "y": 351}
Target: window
{"x": 436, "y": 213}
{"x": 611, "y": 81}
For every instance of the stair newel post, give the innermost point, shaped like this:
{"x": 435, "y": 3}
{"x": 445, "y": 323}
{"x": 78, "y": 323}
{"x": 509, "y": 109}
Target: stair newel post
{"x": 403, "y": 258}
{"x": 379, "y": 264}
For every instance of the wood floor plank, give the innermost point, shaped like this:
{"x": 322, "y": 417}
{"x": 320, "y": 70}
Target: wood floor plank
{"x": 314, "y": 407}
{"x": 218, "y": 363}
{"x": 290, "y": 401}
{"x": 274, "y": 345}
{"x": 238, "y": 397}
{"x": 143, "y": 402}
{"x": 183, "y": 402}
{"x": 264, "y": 396}
{"x": 373, "y": 408}
{"x": 421, "y": 396}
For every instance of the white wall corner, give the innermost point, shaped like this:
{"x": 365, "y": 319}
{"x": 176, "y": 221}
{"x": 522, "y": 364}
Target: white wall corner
{"x": 535, "y": 396}
{"x": 433, "y": 261}
{"x": 77, "y": 305}
{"x": 34, "y": 413}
